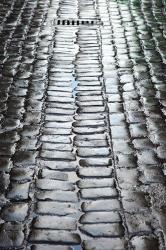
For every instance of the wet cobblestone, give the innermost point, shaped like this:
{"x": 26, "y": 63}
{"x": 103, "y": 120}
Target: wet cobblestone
{"x": 82, "y": 125}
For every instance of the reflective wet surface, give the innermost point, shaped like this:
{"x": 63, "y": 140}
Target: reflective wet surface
{"x": 82, "y": 124}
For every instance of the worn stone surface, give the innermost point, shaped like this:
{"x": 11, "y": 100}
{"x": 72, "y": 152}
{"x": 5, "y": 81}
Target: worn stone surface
{"x": 82, "y": 124}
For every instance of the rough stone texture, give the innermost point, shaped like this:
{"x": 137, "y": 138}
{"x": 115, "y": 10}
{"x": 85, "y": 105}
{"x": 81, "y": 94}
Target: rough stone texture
{"x": 82, "y": 124}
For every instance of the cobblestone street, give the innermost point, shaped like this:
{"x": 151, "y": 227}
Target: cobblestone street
{"x": 83, "y": 130}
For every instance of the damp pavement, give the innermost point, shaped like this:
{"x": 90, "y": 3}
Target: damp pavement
{"x": 82, "y": 115}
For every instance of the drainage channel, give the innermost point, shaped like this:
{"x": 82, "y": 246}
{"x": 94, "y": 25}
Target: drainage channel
{"x": 76, "y": 22}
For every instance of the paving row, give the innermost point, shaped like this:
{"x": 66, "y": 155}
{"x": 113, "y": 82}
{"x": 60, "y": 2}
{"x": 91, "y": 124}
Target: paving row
{"x": 82, "y": 137}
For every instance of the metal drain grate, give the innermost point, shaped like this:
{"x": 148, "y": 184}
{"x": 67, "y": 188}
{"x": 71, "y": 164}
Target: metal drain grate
{"x": 76, "y": 22}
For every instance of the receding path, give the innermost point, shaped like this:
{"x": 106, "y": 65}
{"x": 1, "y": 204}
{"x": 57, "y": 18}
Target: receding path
{"x": 82, "y": 115}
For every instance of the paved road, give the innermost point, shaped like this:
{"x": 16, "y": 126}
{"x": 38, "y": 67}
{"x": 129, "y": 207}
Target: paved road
{"x": 82, "y": 136}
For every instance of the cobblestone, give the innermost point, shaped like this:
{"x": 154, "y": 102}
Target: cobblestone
{"x": 103, "y": 243}
{"x": 100, "y": 230}
{"x": 82, "y": 124}
{"x": 53, "y": 236}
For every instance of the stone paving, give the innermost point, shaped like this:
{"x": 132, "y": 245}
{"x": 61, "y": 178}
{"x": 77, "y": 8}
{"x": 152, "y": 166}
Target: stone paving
{"x": 82, "y": 136}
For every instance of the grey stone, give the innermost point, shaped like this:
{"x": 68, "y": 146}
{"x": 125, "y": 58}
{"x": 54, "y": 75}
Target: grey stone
{"x": 15, "y": 212}
{"x": 95, "y": 172}
{"x": 49, "y": 184}
{"x": 53, "y": 236}
{"x": 65, "y": 196}
{"x": 19, "y": 191}
{"x": 100, "y": 217}
{"x": 104, "y": 243}
{"x": 55, "y": 222}
{"x": 94, "y": 193}
{"x": 103, "y": 230}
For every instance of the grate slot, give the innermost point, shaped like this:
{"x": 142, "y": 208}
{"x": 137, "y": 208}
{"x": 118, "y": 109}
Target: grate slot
{"x": 77, "y": 22}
